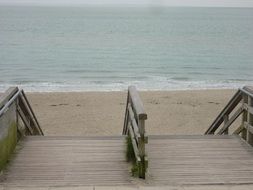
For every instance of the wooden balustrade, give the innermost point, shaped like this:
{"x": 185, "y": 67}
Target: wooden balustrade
{"x": 134, "y": 126}
{"x": 24, "y": 110}
{"x": 15, "y": 111}
{"x": 244, "y": 99}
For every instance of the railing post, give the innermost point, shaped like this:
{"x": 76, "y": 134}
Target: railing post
{"x": 250, "y": 122}
{"x": 244, "y": 117}
{"x": 226, "y": 118}
{"x": 17, "y": 120}
{"x": 142, "y": 167}
{"x": 124, "y": 132}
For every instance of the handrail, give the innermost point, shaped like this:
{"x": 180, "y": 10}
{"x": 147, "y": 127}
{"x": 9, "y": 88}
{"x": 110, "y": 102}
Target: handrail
{"x": 226, "y": 111}
{"x": 7, "y": 96}
{"x": 23, "y": 108}
{"x": 244, "y": 99}
{"x": 248, "y": 90}
{"x": 8, "y": 100}
{"x": 137, "y": 103}
{"x": 29, "y": 108}
{"x": 134, "y": 127}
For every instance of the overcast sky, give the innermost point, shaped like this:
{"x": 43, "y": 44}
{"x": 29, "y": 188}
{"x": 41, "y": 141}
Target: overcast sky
{"x": 213, "y": 3}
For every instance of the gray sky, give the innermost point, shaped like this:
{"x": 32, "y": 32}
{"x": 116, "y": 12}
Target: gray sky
{"x": 213, "y": 3}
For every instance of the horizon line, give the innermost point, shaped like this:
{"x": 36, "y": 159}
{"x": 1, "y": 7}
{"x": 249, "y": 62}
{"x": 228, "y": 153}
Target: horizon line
{"x": 113, "y": 5}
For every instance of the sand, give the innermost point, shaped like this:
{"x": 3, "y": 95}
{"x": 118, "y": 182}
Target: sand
{"x": 102, "y": 113}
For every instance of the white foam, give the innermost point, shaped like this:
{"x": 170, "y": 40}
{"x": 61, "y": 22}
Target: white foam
{"x": 157, "y": 84}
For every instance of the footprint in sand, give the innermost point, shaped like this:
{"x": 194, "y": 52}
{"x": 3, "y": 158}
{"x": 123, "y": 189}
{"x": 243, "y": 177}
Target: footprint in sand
{"x": 217, "y": 103}
{"x": 59, "y": 104}
{"x": 154, "y": 102}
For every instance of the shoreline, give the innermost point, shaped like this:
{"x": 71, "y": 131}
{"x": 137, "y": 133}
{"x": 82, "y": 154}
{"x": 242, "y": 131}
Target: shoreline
{"x": 125, "y": 90}
{"x": 186, "y": 112}
{"x": 118, "y": 87}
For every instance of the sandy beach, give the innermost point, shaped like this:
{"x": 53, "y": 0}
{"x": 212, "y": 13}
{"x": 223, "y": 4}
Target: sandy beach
{"x": 102, "y": 113}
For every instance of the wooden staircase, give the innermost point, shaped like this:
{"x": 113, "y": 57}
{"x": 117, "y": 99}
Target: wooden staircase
{"x": 220, "y": 157}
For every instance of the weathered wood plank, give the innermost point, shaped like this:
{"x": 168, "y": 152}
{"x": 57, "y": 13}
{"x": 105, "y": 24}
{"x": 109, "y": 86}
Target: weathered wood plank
{"x": 248, "y": 108}
{"x": 24, "y": 119}
{"x": 14, "y": 95}
{"x": 173, "y": 160}
{"x": 250, "y": 121}
{"x": 248, "y": 127}
{"x": 226, "y": 126}
{"x": 248, "y": 90}
{"x": 231, "y": 120}
{"x": 239, "y": 130}
{"x": 29, "y": 115}
{"x": 138, "y": 107}
{"x": 181, "y": 160}
{"x": 244, "y": 116}
{"x": 68, "y": 161}
{"x": 7, "y": 95}
{"x": 226, "y": 111}
{"x": 134, "y": 144}
{"x": 133, "y": 123}
{"x": 32, "y": 115}
{"x": 124, "y": 131}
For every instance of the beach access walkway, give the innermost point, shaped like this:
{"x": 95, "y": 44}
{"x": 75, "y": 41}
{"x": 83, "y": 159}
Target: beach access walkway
{"x": 221, "y": 158}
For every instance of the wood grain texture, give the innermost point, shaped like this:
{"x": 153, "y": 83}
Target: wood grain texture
{"x": 136, "y": 101}
{"x": 235, "y": 100}
{"x": 176, "y": 160}
{"x": 5, "y": 97}
{"x": 179, "y": 160}
{"x": 249, "y": 89}
{"x": 68, "y": 161}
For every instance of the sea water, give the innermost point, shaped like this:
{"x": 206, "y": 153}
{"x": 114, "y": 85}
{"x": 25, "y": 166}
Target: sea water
{"x": 109, "y": 48}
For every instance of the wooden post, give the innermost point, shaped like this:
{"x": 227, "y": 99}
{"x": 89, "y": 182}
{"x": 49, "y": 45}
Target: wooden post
{"x": 244, "y": 117}
{"x": 142, "y": 168}
{"x": 250, "y": 122}
{"x": 124, "y": 132}
{"x": 226, "y": 118}
{"x": 19, "y": 132}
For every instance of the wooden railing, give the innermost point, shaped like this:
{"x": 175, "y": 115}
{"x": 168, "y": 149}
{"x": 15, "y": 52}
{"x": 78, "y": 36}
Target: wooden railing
{"x": 243, "y": 101}
{"x": 24, "y": 111}
{"x": 134, "y": 127}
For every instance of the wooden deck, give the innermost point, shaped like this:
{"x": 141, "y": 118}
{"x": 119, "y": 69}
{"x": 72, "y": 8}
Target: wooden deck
{"x": 68, "y": 161}
{"x": 196, "y": 160}
{"x": 100, "y": 161}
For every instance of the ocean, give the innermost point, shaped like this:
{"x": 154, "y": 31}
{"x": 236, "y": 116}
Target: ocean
{"x": 46, "y": 49}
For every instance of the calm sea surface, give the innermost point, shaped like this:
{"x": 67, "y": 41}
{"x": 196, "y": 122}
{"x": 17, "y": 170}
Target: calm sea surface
{"x": 88, "y": 48}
